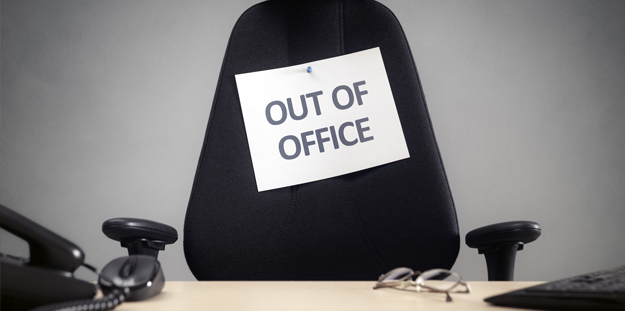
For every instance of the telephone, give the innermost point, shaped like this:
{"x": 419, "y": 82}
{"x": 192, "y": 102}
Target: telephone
{"x": 47, "y": 277}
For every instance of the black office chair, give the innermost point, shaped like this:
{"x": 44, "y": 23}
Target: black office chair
{"x": 351, "y": 227}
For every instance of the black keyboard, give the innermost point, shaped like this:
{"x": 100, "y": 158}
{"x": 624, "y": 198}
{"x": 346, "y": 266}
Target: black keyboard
{"x": 601, "y": 290}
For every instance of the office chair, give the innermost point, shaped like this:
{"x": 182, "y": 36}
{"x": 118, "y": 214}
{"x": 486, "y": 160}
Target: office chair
{"x": 352, "y": 227}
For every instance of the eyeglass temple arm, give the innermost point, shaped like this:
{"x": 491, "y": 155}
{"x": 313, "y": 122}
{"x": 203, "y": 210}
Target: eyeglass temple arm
{"x": 499, "y": 244}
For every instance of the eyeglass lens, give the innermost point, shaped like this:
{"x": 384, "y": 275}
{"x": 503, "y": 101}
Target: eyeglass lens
{"x": 438, "y": 279}
{"x": 397, "y": 274}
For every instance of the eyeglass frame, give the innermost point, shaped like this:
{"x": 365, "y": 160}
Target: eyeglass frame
{"x": 418, "y": 283}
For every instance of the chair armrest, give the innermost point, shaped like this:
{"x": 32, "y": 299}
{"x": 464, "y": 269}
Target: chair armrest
{"x": 499, "y": 244}
{"x": 519, "y": 232}
{"x": 140, "y": 236}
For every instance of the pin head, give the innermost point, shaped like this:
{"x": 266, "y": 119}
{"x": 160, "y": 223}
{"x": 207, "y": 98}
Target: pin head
{"x": 309, "y": 69}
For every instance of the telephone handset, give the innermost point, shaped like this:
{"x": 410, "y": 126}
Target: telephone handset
{"x": 47, "y": 277}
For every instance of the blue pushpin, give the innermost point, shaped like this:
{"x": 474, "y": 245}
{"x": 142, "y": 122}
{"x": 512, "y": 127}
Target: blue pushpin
{"x": 309, "y": 69}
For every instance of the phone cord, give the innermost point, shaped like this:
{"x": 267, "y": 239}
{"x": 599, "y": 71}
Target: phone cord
{"x": 109, "y": 302}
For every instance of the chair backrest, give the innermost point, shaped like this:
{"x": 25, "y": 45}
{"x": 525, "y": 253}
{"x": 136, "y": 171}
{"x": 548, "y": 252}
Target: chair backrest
{"x": 351, "y": 227}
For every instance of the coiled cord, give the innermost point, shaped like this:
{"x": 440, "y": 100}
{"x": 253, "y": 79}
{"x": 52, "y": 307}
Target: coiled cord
{"x": 108, "y": 302}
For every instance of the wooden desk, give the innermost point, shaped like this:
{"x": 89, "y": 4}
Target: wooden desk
{"x": 314, "y": 296}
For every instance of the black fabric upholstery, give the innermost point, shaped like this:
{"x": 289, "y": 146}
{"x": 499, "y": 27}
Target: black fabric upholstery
{"x": 351, "y": 227}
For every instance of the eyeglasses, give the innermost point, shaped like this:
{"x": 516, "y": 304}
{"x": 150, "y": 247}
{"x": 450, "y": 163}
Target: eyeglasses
{"x": 435, "y": 280}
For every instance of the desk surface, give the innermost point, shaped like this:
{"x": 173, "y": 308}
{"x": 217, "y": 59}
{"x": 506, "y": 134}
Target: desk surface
{"x": 313, "y": 296}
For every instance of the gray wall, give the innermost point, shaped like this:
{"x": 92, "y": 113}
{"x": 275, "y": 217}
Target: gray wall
{"x": 105, "y": 103}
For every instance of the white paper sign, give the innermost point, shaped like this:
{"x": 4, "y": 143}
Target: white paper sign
{"x": 336, "y": 119}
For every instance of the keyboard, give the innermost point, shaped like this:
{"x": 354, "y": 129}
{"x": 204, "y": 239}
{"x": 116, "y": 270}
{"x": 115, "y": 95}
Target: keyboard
{"x": 600, "y": 290}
